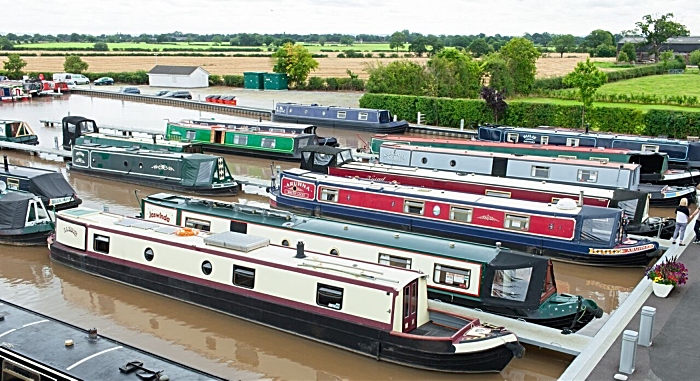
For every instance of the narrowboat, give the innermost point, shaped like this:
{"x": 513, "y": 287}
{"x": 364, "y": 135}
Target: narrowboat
{"x": 363, "y": 119}
{"x": 597, "y": 174}
{"x": 40, "y": 348}
{"x": 78, "y": 130}
{"x": 182, "y": 172}
{"x": 370, "y": 309}
{"x": 24, "y": 220}
{"x": 566, "y": 231}
{"x": 242, "y": 141}
{"x": 50, "y": 186}
{"x": 486, "y": 266}
{"x": 264, "y": 125}
{"x": 654, "y": 165}
{"x": 340, "y": 162}
{"x": 17, "y": 131}
{"x": 682, "y": 154}
{"x": 10, "y": 92}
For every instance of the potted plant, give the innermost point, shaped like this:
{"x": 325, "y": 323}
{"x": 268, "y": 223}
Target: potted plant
{"x": 667, "y": 275}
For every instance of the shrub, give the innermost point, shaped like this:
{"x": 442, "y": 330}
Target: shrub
{"x": 215, "y": 80}
{"x": 622, "y": 57}
{"x": 694, "y": 58}
{"x": 233, "y": 80}
{"x": 394, "y": 55}
{"x": 382, "y": 55}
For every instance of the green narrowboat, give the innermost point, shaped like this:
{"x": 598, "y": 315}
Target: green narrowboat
{"x": 17, "y": 131}
{"x": 24, "y": 220}
{"x": 242, "y": 141}
{"x": 182, "y": 172}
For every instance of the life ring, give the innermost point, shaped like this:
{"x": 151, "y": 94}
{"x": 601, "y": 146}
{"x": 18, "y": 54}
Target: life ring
{"x": 186, "y": 232}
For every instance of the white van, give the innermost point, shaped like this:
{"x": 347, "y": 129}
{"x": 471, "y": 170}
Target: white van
{"x": 79, "y": 79}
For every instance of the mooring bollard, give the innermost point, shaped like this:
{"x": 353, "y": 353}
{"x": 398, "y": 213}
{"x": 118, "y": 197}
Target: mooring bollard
{"x": 628, "y": 353}
{"x": 646, "y": 326}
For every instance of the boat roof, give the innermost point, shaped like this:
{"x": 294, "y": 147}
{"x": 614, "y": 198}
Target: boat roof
{"x": 232, "y": 244}
{"x": 252, "y": 123}
{"x": 555, "y": 148}
{"x": 144, "y": 152}
{"x": 542, "y": 159}
{"x": 506, "y": 182}
{"x": 453, "y": 197}
{"x": 329, "y": 107}
{"x": 28, "y": 172}
{"x": 261, "y": 132}
{"x": 348, "y": 231}
{"x": 136, "y": 139}
{"x": 596, "y": 134}
{"x": 43, "y": 340}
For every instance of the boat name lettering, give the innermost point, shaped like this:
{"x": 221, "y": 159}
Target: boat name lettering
{"x": 626, "y": 250}
{"x": 394, "y": 156}
{"x": 69, "y": 229}
{"x": 79, "y": 160}
{"x": 298, "y": 189}
{"x": 488, "y": 218}
{"x": 163, "y": 167}
{"x": 159, "y": 216}
{"x": 529, "y": 138}
{"x": 80, "y": 154}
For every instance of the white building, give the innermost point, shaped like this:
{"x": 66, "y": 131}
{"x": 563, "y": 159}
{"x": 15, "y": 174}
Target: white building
{"x": 178, "y": 76}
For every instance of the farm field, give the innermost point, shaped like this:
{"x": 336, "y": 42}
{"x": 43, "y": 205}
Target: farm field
{"x": 604, "y": 104}
{"x": 667, "y": 84}
{"x": 313, "y": 48}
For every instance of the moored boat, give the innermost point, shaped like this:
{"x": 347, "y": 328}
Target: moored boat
{"x": 182, "y": 172}
{"x": 17, "y": 131}
{"x": 40, "y": 348}
{"x": 370, "y": 309}
{"x": 485, "y": 267}
{"x": 565, "y": 231}
{"x": 50, "y": 186}
{"x": 24, "y": 220}
{"x": 364, "y": 119}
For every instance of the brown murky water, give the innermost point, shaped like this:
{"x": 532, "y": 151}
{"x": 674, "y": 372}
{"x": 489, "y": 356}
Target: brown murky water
{"x": 206, "y": 339}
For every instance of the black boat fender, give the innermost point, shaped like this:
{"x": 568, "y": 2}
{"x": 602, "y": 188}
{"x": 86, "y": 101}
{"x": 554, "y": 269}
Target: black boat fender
{"x": 517, "y": 349}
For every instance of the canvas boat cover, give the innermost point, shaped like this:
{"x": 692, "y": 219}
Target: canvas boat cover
{"x": 51, "y": 185}
{"x": 13, "y": 209}
{"x": 514, "y": 280}
{"x": 198, "y": 170}
{"x": 318, "y": 159}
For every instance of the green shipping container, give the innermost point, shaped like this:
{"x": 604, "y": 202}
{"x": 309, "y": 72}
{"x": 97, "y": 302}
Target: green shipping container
{"x": 254, "y": 80}
{"x": 275, "y": 81}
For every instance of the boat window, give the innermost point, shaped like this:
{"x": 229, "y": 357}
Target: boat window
{"x": 384, "y": 117}
{"x": 555, "y": 200}
{"x": 567, "y": 156}
{"x": 452, "y": 276}
{"x": 511, "y": 284}
{"x": 329, "y": 195}
{"x": 345, "y": 156}
{"x": 650, "y": 148}
{"x": 13, "y": 371}
{"x": 207, "y": 267}
{"x": 517, "y": 222}
{"x": 41, "y": 213}
{"x": 190, "y": 135}
{"x": 12, "y": 183}
{"x": 453, "y": 163}
{"x": 540, "y": 172}
{"x": 597, "y": 229}
{"x": 329, "y": 296}
{"x": 461, "y": 214}
{"x": 362, "y": 116}
{"x": 279, "y": 130}
{"x": 31, "y": 216}
{"x": 512, "y": 137}
{"x": 495, "y": 193}
{"x": 572, "y": 142}
{"x": 240, "y": 139}
{"x": 238, "y": 227}
{"x": 587, "y": 176}
{"x": 243, "y": 276}
{"x": 544, "y": 140}
{"x": 268, "y": 142}
{"x": 413, "y": 207}
{"x": 195, "y": 223}
{"x": 100, "y": 244}
{"x": 148, "y": 254}
{"x": 601, "y": 159}
{"x": 395, "y": 261}
{"x": 322, "y": 158}
{"x": 341, "y": 114}
{"x": 334, "y": 251}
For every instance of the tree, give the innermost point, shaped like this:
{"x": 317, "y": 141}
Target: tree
{"x": 161, "y": 38}
{"x": 74, "y": 37}
{"x": 6, "y": 44}
{"x": 322, "y": 41}
{"x": 14, "y": 66}
{"x": 397, "y": 41}
{"x": 587, "y": 79}
{"x": 657, "y": 31}
{"x": 234, "y": 41}
{"x": 418, "y": 46}
{"x": 520, "y": 56}
{"x": 479, "y": 47}
{"x": 695, "y": 57}
{"x": 74, "y": 64}
{"x": 629, "y": 49}
{"x": 453, "y": 75}
{"x": 347, "y": 40}
{"x": 623, "y": 57}
{"x": 564, "y": 43}
{"x": 499, "y": 76}
{"x": 495, "y": 100}
{"x": 216, "y": 40}
{"x": 435, "y": 45}
{"x": 402, "y": 77}
{"x": 666, "y": 56}
{"x": 101, "y": 46}
{"x": 295, "y": 61}
{"x": 605, "y": 51}
{"x": 268, "y": 40}
{"x": 598, "y": 37}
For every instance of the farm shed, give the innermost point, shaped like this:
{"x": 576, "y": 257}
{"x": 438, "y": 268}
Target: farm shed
{"x": 178, "y": 76}
{"x": 679, "y": 45}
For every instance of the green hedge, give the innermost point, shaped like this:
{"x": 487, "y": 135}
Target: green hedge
{"x": 649, "y": 99}
{"x": 333, "y": 84}
{"x": 448, "y": 112}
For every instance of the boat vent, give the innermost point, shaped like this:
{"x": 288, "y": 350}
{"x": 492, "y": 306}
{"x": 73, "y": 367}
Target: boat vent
{"x": 236, "y": 241}
{"x": 566, "y": 204}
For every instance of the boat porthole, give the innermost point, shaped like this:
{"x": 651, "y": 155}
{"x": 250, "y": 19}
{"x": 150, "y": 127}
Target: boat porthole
{"x": 148, "y": 254}
{"x": 436, "y": 210}
{"x": 206, "y": 267}
{"x": 424, "y": 160}
{"x": 334, "y": 251}
{"x": 452, "y": 163}
{"x": 285, "y": 242}
{"x": 140, "y": 165}
{"x": 126, "y": 164}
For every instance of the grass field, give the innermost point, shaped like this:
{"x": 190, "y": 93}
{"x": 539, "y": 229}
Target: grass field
{"x": 313, "y": 48}
{"x": 667, "y": 84}
{"x": 601, "y": 104}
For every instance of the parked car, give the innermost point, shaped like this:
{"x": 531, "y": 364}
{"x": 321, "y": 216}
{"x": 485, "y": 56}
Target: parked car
{"x": 161, "y": 93}
{"x": 131, "y": 90}
{"x": 179, "y": 94}
{"x": 79, "y": 79}
{"x": 104, "y": 81}
{"x": 71, "y": 85}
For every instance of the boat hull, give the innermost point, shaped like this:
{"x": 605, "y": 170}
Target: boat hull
{"x": 349, "y": 335}
{"x": 379, "y": 128}
{"x": 15, "y": 238}
{"x": 231, "y": 150}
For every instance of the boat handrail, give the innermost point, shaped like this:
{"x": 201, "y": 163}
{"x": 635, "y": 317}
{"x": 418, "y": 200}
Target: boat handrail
{"x": 353, "y": 273}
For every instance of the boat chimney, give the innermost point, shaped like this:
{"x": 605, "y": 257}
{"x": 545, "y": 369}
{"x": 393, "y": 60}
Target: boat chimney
{"x": 580, "y": 199}
{"x": 498, "y": 245}
{"x": 4, "y": 160}
{"x": 92, "y": 334}
{"x": 154, "y": 138}
{"x": 300, "y": 250}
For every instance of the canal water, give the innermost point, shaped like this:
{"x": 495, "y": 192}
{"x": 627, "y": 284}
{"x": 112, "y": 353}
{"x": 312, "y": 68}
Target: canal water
{"x": 206, "y": 339}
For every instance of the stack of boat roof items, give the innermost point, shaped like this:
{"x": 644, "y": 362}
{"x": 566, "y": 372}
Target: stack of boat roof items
{"x": 371, "y": 309}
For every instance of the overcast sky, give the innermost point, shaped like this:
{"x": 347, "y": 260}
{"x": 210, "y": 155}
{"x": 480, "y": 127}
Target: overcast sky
{"x": 506, "y": 17}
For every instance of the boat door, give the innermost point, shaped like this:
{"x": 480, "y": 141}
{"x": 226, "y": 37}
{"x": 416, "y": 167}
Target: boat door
{"x": 218, "y": 135}
{"x": 410, "y": 306}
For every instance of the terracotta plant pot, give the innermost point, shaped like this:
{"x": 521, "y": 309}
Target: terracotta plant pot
{"x": 662, "y": 290}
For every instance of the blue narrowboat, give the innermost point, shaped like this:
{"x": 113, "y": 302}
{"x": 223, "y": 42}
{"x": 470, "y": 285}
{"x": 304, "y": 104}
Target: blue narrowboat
{"x": 364, "y": 119}
{"x": 681, "y": 153}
